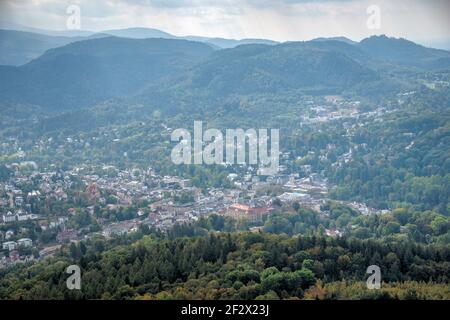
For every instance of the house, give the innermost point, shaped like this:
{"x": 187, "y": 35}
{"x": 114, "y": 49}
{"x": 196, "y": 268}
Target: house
{"x": 19, "y": 201}
{"x": 185, "y": 183}
{"x": 14, "y": 256}
{"x": 23, "y": 216}
{"x": 59, "y": 222}
{"x": 67, "y": 235}
{"x": 140, "y": 213}
{"x": 49, "y": 251}
{"x": 333, "y": 233}
{"x": 9, "y": 217}
{"x": 245, "y": 212}
{"x": 293, "y": 196}
{"x": 9, "y": 245}
{"x": 114, "y": 231}
{"x": 26, "y": 242}
{"x": 9, "y": 234}
{"x": 256, "y": 229}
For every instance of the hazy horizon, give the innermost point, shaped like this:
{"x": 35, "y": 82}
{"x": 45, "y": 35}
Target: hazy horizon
{"x": 423, "y": 22}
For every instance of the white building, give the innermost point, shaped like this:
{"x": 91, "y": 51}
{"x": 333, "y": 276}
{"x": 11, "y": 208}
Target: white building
{"x": 9, "y": 217}
{"x": 23, "y": 216}
{"x": 26, "y": 242}
{"x": 9, "y": 245}
{"x": 19, "y": 201}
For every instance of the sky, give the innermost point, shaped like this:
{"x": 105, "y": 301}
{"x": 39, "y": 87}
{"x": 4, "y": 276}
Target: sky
{"x": 423, "y": 21}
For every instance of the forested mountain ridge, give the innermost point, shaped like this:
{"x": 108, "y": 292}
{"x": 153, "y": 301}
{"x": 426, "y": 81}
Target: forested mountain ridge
{"x": 282, "y": 67}
{"x": 86, "y": 72}
{"x": 19, "y": 47}
{"x": 405, "y": 52}
{"x": 83, "y": 73}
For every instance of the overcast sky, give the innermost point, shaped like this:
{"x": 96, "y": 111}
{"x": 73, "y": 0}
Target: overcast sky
{"x": 424, "y": 21}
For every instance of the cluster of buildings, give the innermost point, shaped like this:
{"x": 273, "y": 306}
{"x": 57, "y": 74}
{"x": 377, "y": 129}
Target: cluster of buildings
{"x": 47, "y": 186}
{"x": 156, "y": 201}
{"x": 310, "y": 191}
{"x": 18, "y": 216}
{"x": 246, "y": 212}
{"x": 13, "y": 245}
{"x": 12, "y": 250}
{"x": 13, "y": 258}
{"x": 363, "y": 208}
{"x": 336, "y": 108}
{"x": 333, "y": 108}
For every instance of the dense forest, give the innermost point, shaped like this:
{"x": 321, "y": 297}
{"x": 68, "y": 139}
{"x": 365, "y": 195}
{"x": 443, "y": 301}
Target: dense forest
{"x": 399, "y": 225}
{"x": 239, "y": 265}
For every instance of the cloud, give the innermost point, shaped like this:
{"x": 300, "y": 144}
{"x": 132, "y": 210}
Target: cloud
{"x": 275, "y": 19}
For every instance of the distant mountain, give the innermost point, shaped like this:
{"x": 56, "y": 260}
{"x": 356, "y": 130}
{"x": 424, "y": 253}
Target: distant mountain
{"x": 143, "y": 33}
{"x": 139, "y": 33}
{"x": 18, "y": 47}
{"x": 5, "y": 25}
{"x": 280, "y": 70}
{"x": 405, "y": 52}
{"x": 231, "y": 43}
{"x": 265, "y": 68}
{"x": 342, "y": 39}
{"x": 181, "y": 72}
{"x": 343, "y": 47}
{"x": 60, "y": 33}
{"x": 86, "y": 72}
